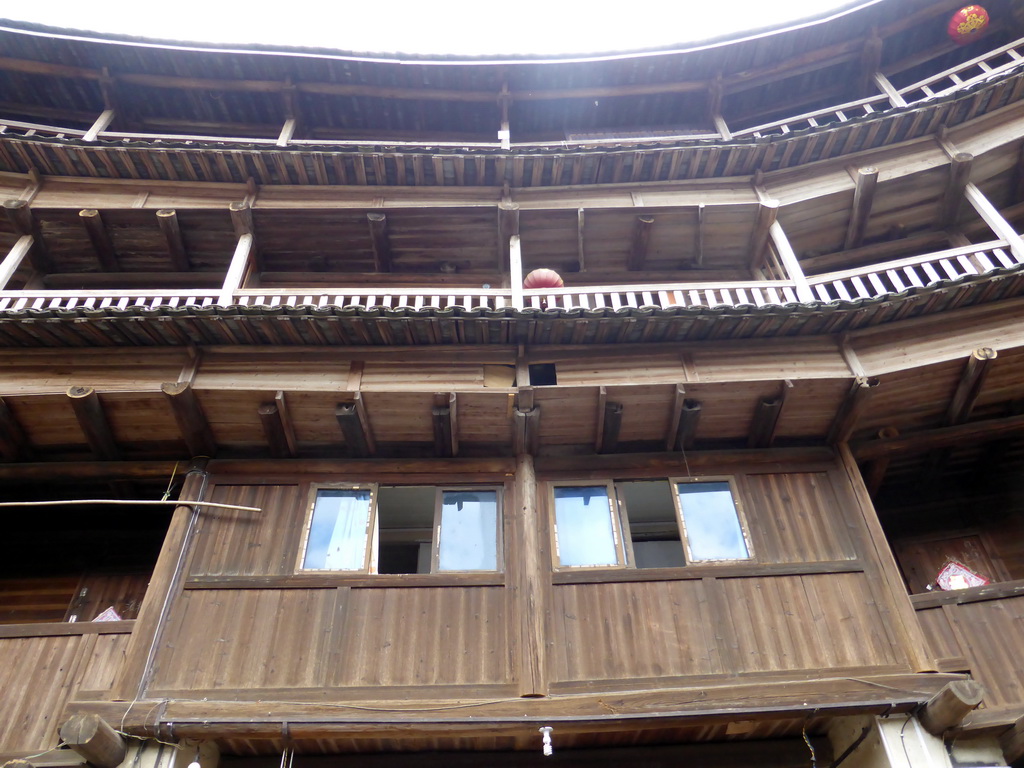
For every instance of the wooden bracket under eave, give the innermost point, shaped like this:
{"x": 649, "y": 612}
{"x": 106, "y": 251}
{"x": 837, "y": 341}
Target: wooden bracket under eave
{"x": 866, "y": 180}
{"x": 526, "y": 430}
{"x": 444, "y": 416}
{"x": 167, "y": 218}
{"x": 92, "y": 419}
{"x": 14, "y": 443}
{"x": 277, "y": 427}
{"x": 766, "y": 417}
{"x": 948, "y": 708}
{"x": 20, "y": 216}
{"x": 355, "y": 426}
{"x": 102, "y": 245}
{"x": 972, "y": 381}
{"x": 93, "y": 739}
{"x": 188, "y": 413}
{"x": 381, "y": 240}
{"x": 853, "y": 407}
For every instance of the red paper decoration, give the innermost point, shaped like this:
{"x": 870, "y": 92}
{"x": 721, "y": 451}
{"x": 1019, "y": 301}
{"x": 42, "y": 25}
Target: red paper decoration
{"x": 543, "y": 278}
{"x": 967, "y": 24}
{"x": 956, "y": 575}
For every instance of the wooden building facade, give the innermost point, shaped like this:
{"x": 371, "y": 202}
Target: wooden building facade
{"x": 299, "y": 470}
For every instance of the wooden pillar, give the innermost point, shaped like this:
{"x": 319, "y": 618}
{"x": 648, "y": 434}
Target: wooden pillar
{"x": 766, "y": 213}
{"x": 101, "y": 124}
{"x": 991, "y": 216}
{"x": 852, "y": 409}
{"x": 102, "y": 245}
{"x": 516, "y": 272}
{"x": 895, "y": 97}
{"x": 863, "y": 198}
{"x": 94, "y": 740}
{"x": 1012, "y": 742}
{"x": 635, "y": 262}
{"x": 790, "y": 262}
{"x": 531, "y": 582}
{"x": 188, "y": 413}
{"x": 13, "y": 259}
{"x": 167, "y": 218}
{"x": 20, "y": 216}
{"x": 92, "y": 419}
{"x": 948, "y": 708}
{"x": 378, "y": 223}
{"x": 959, "y": 176}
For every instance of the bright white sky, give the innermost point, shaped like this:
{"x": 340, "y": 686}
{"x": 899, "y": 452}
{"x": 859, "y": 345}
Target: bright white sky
{"x": 471, "y": 27}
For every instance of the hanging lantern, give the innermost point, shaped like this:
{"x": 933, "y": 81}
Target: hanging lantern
{"x": 967, "y": 24}
{"x": 543, "y": 278}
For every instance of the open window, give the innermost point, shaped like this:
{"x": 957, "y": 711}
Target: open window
{"x": 402, "y": 529}
{"x": 660, "y": 523}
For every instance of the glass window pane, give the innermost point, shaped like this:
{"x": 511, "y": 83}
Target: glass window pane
{"x": 583, "y": 521}
{"x": 712, "y": 522}
{"x": 468, "y": 537}
{"x": 337, "y": 534}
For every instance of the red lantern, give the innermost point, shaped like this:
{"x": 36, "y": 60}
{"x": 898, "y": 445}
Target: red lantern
{"x": 543, "y": 278}
{"x": 967, "y": 24}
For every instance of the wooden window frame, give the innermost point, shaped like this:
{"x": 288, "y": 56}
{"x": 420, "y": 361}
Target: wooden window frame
{"x": 372, "y": 532}
{"x": 620, "y": 523}
{"x": 737, "y": 504}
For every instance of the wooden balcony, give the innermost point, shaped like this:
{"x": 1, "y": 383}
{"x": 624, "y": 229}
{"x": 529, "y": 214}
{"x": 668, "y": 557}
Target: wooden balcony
{"x": 919, "y": 273}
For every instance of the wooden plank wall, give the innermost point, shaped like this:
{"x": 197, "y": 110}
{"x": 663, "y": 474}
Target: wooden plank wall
{"x": 247, "y": 625}
{"x": 41, "y": 673}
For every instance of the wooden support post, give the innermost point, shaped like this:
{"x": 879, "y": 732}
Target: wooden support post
{"x": 101, "y": 124}
{"x": 863, "y": 198}
{"x": 767, "y": 211}
{"x": 188, "y": 413}
{"x": 287, "y": 131}
{"x": 959, "y": 177}
{"x": 445, "y": 418}
{"x": 94, "y": 740}
{"x": 689, "y": 420}
{"x": 167, "y": 218}
{"x": 991, "y": 216}
{"x": 716, "y": 95}
{"x": 581, "y": 251}
{"x": 240, "y": 263}
{"x": 12, "y": 261}
{"x": 972, "y": 380}
{"x": 355, "y": 426}
{"x": 852, "y": 409}
{"x": 14, "y": 443}
{"x": 895, "y": 97}
{"x": 94, "y": 424}
{"x": 612, "y": 425}
{"x": 638, "y": 246}
{"x": 274, "y": 431}
{"x": 766, "y": 420}
{"x": 100, "y": 239}
{"x": 698, "y": 256}
{"x": 674, "y": 417}
{"x": 515, "y": 274}
{"x": 948, "y": 708}
{"x": 241, "y": 218}
{"x": 504, "y": 117}
{"x": 378, "y": 223}
{"x": 790, "y": 262}
{"x": 508, "y": 225}
{"x": 19, "y": 214}
{"x": 530, "y": 581}
{"x": 526, "y": 430}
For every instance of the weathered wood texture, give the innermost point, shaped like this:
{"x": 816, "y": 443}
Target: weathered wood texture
{"x": 978, "y": 632}
{"x": 40, "y": 674}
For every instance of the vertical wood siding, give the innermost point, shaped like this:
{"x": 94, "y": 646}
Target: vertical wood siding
{"x": 237, "y": 543}
{"x": 333, "y": 638}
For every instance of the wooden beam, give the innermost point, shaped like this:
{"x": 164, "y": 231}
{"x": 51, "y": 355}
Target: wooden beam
{"x": 638, "y": 246}
{"x": 874, "y": 471}
{"x": 12, "y": 261}
{"x": 100, "y": 239}
{"x": 716, "y": 95}
{"x": 972, "y": 380}
{"x": 991, "y": 216}
{"x": 790, "y": 262}
{"x": 959, "y": 176}
{"x": 14, "y": 443}
{"x": 188, "y": 413}
{"x": 94, "y": 740}
{"x": 852, "y": 409}
{"x": 1012, "y": 742}
{"x": 19, "y": 214}
{"x": 378, "y": 223}
{"x": 101, "y": 124}
{"x": 767, "y": 211}
{"x": 273, "y": 430}
{"x": 689, "y": 420}
{"x": 863, "y": 197}
{"x": 167, "y": 218}
{"x": 895, "y": 97}
{"x": 948, "y": 708}
{"x": 287, "y": 131}
{"x": 766, "y": 420}
{"x": 943, "y": 437}
{"x": 444, "y": 415}
{"x": 241, "y": 218}
{"x": 240, "y": 263}
{"x": 870, "y": 63}
{"x": 92, "y": 419}
{"x": 355, "y": 427}
{"x": 612, "y": 426}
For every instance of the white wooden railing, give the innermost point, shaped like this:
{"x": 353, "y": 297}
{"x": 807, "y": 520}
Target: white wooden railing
{"x": 868, "y": 282}
{"x": 991, "y": 64}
